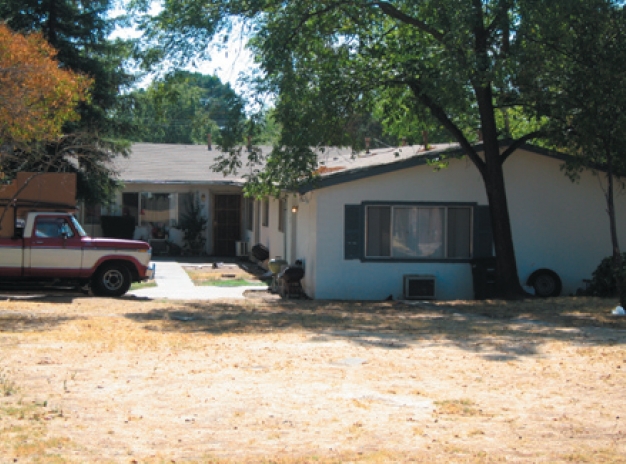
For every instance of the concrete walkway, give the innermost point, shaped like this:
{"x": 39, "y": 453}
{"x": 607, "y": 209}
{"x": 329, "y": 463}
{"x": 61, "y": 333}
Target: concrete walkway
{"x": 173, "y": 283}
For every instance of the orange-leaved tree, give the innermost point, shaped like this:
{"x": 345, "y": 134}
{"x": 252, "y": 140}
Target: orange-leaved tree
{"x": 37, "y": 96}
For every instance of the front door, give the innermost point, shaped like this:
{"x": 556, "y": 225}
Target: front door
{"x": 55, "y": 249}
{"x": 227, "y": 225}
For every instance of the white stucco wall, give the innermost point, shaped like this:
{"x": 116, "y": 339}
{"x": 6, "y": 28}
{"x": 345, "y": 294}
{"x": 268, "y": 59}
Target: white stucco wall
{"x": 269, "y": 235}
{"x": 559, "y": 224}
{"x": 337, "y": 278}
{"x": 556, "y": 224}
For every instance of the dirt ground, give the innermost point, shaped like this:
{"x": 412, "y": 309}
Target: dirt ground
{"x": 127, "y": 380}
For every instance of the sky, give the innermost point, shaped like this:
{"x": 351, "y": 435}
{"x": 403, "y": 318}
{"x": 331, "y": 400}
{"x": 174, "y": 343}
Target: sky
{"x": 226, "y": 62}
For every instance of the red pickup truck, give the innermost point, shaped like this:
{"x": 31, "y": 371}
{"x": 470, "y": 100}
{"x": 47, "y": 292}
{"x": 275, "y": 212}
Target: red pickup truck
{"x": 53, "y": 248}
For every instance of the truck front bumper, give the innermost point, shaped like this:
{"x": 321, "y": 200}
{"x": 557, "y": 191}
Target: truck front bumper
{"x": 150, "y": 272}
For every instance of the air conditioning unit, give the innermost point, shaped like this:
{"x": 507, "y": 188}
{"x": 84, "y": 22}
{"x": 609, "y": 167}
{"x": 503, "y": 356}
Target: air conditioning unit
{"x": 241, "y": 248}
{"x": 419, "y": 287}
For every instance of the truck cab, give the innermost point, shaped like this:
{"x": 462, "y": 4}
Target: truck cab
{"x": 53, "y": 247}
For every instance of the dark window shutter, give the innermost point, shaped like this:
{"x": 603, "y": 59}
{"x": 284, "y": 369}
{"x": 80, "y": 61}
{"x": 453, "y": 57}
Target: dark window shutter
{"x": 483, "y": 236}
{"x": 353, "y": 232}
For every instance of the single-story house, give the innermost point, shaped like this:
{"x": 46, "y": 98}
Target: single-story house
{"x": 161, "y": 182}
{"x": 379, "y": 224}
{"x": 388, "y": 224}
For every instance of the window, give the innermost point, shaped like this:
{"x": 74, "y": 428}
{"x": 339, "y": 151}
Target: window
{"x": 418, "y": 232}
{"x": 158, "y": 211}
{"x": 53, "y": 228}
{"x": 281, "y": 215}
{"x": 265, "y": 218}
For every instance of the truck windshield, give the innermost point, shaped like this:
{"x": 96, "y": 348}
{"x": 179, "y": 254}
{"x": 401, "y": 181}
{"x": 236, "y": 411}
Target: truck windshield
{"x": 78, "y": 227}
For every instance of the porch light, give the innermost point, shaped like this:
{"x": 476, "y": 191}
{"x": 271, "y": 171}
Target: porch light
{"x": 294, "y": 209}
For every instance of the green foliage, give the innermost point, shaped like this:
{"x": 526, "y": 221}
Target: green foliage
{"x": 184, "y": 107}
{"x": 603, "y": 282}
{"x": 448, "y": 68}
{"x": 588, "y": 114}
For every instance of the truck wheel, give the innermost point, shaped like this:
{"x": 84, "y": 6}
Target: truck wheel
{"x": 111, "y": 280}
{"x": 546, "y": 283}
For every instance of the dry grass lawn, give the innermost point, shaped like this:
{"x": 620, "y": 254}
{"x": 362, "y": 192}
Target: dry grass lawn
{"x": 102, "y": 380}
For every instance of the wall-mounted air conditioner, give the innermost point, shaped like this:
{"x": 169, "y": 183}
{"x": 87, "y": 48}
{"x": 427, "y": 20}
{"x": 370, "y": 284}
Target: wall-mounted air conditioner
{"x": 419, "y": 287}
{"x": 241, "y": 248}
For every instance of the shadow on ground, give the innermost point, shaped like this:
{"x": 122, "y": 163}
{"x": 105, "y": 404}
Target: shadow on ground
{"x": 16, "y": 322}
{"x": 500, "y": 331}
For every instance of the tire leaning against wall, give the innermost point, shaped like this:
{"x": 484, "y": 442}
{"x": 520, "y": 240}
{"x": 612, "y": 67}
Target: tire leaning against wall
{"x": 546, "y": 283}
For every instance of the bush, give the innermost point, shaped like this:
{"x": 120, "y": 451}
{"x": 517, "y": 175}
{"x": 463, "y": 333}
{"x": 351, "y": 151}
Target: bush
{"x": 603, "y": 282}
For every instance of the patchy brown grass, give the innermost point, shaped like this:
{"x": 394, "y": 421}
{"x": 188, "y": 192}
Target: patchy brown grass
{"x": 129, "y": 380}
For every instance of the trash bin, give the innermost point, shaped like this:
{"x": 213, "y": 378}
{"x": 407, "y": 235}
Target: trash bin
{"x": 484, "y": 277}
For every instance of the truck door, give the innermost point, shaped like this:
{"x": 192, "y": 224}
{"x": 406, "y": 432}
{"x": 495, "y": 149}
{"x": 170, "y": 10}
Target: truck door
{"x": 54, "y": 247}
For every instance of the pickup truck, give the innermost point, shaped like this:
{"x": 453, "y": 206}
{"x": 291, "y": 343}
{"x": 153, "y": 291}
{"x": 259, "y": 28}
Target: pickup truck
{"x": 53, "y": 248}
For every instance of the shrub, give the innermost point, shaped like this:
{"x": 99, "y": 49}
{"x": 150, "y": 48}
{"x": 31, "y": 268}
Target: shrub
{"x": 603, "y": 281}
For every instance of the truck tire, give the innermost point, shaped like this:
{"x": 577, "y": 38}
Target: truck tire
{"x": 546, "y": 283}
{"x": 111, "y": 280}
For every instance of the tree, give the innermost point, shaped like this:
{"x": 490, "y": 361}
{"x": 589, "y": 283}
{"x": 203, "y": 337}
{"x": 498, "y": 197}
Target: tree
{"x": 185, "y": 107}
{"x": 36, "y": 96}
{"x": 78, "y": 31}
{"x": 461, "y": 63}
{"x": 588, "y": 115}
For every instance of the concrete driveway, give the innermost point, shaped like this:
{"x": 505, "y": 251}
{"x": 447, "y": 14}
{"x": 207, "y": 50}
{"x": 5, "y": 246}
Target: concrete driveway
{"x": 174, "y": 283}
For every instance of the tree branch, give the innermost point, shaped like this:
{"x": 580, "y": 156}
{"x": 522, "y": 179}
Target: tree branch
{"x": 439, "y": 114}
{"x": 393, "y": 12}
{"x": 519, "y": 142}
{"x": 501, "y": 18}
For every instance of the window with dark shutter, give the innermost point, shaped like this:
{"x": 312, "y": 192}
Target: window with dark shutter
{"x": 483, "y": 235}
{"x": 353, "y": 225}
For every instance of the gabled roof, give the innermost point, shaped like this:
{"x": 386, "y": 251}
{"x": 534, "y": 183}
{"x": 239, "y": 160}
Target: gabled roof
{"x": 340, "y": 169}
{"x": 174, "y": 164}
{"x": 191, "y": 164}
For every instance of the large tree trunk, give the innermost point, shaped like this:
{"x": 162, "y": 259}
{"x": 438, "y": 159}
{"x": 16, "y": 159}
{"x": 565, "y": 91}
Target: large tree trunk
{"x": 507, "y": 279}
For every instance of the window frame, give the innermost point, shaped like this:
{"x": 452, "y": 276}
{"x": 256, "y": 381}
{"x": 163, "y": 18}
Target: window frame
{"x": 445, "y": 205}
